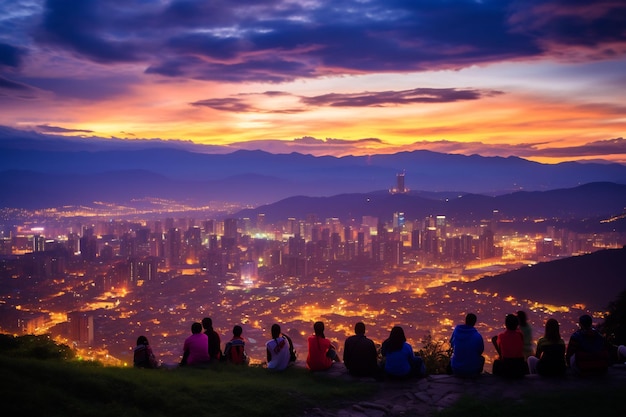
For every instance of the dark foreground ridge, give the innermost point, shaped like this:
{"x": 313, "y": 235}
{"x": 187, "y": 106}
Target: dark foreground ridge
{"x": 434, "y": 393}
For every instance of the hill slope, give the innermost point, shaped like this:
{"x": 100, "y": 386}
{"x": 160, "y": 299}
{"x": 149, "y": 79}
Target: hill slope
{"x": 593, "y": 280}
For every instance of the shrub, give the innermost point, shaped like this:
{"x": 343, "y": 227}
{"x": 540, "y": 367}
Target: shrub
{"x": 31, "y": 346}
{"x": 436, "y": 355}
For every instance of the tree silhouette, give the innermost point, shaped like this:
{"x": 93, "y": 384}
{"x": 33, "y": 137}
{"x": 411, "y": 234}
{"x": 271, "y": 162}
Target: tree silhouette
{"x": 614, "y": 325}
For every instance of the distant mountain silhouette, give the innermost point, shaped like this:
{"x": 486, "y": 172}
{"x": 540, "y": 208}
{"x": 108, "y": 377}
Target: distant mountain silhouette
{"x": 586, "y": 201}
{"x": 594, "y": 280}
{"x": 271, "y": 177}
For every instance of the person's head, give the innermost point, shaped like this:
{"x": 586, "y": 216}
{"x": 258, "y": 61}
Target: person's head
{"x": 237, "y": 330}
{"x": 207, "y": 323}
{"x": 275, "y": 331}
{"x": 552, "y": 330}
{"x": 522, "y": 318}
{"x": 470, "y": 319}
{"x": 396, "y": 338}
{"x": 359, "y": 328}
{"x": 196, "y": 328}
{"x": 511, "y": 322}
{"x": 318, "y": 328}
{"x": 142, "y": 340}
{"x": 585, "y": 322}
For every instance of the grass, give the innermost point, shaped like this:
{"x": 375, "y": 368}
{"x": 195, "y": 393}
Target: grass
{"x": 62, "y": 388}
{"x": 606, "y": 401}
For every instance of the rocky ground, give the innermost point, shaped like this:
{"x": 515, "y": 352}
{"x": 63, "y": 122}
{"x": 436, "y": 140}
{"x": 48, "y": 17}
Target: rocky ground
{"x": 422, "y": 397}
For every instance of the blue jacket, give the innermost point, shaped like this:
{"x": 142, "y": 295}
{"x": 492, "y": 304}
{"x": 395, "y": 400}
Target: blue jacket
{"x": 399, "y": 362}
{"x": 467, "y": 347}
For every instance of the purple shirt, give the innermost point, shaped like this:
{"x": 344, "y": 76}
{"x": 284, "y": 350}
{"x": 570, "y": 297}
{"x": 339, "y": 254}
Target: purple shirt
{"x": 198, "y": 347}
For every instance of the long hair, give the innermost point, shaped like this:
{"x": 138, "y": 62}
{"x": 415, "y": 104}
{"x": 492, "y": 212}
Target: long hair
{"x": 318, "y": 328}
{"x": 396, "y": 338}
{"x": 522, "y": 318}
{"x": 275, "y": 331}
{"x": 552, "y": 330}
{"x": 142, "y": 340}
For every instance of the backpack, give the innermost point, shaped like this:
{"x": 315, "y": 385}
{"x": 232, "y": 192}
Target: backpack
{"x": 234, "y": 351}
{"x": 293, "y": 355}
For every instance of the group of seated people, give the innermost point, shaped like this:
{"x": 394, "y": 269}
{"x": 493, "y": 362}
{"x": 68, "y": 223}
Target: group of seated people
{"x": 586, "y": 353}
{"x": 360, "y": 356}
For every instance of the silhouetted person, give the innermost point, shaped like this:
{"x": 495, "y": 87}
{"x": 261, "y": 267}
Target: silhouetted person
{"x": 527, "y": 332}
{"x": 467, "y": 348}
{"x": 359, "y": 353}
{"x": 235, "y": 350}
{"x": 143, "y": 356}
{"x": 196, "y": 347}
{"x": 587, "y": 351}
{"x": 399, "y": 359}
{"x": 215, "y": 349}
{"x": 322, "y": 353}
{"x": 510, "y": 347}
{"x": 550, "y": 357}
{"x": 278, "y": 356}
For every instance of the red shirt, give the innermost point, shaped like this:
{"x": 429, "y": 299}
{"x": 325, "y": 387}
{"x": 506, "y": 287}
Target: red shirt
{"x": 317, "y": 360}
{"x": 511, "y": 344}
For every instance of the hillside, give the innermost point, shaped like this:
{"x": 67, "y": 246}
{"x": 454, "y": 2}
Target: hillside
{"x": 54, "y": 388}
{"x": 593, "y": 280}
{"x": 593, "y": 202}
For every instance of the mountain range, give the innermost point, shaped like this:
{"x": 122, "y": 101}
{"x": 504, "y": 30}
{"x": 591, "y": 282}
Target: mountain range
{"x": 593, "y": 202}
{"x": 37, "y": 172}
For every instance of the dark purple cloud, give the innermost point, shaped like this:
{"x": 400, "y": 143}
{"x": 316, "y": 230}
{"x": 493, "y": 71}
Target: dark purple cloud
{"x": 58, "y": 129}
{"x": 385, "y": 98}
{"x": 12, "y": 85}
{"x": 11, "y": 90}
{"x": 240, "y": 103}
{"x": 95, "y": 88}
{"x": 10, "y": 56}
{"x": 226, "y": 104}
{"x": 615, "y": 146}
{"x": 276, "y": 41}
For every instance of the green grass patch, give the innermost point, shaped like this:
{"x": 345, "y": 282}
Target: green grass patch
{"x": 62, "y": 388}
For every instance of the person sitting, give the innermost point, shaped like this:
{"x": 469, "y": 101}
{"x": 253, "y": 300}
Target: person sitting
{"x": 235, "y": 349}
{"x": 549, "y": 359}
{"x": 278, "y": 355}
{"x": 587, "y": 351}
{"x": 527, "y": 332}
{"x": 215, "y": 349}
{"x": 196, "y": 347}
{"x": 399, "y": 359}
{"x": 322, "y": 353}
{"x": 143, "y": 356}
{"x": 467, "y": 349}
{"x": 359, "y": 353}
{"x": 510, "y": 347}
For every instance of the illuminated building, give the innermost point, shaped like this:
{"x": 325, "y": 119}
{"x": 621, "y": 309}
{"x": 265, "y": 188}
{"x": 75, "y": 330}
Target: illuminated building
{"x": 230, "y": 236}
{"x": 81, "y": 330}
{"x": 400, "y": 187}
{"x": 173, "y": 245}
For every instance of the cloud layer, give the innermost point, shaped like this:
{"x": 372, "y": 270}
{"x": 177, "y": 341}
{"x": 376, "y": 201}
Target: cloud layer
{"x": 434, "y": 73}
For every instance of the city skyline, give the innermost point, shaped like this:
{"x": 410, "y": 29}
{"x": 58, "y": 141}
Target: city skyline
{"x": 540, "y": 80}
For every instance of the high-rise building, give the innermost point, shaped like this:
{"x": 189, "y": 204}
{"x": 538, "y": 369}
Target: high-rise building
{"x": 81, "y": 330}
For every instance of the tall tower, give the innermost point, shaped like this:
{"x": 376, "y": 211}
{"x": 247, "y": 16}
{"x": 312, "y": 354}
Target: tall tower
{"x": 400, "y": 183}
{"x": 400, "y": 188}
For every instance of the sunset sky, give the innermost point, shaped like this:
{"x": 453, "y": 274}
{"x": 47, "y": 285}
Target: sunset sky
{"x": 540, "y": 79}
